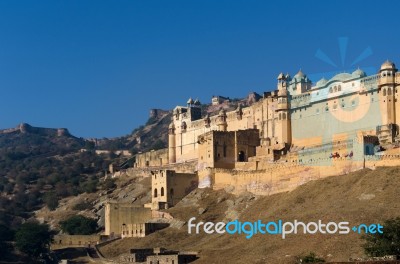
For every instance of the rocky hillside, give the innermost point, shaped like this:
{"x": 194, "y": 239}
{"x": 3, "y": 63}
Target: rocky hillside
{"x": 362, "y": 197}
{"x": 134, "y": 190}
{"x": 39, "y": 166}
{"x": 28, "y": 140}
{"x": 49, "y": 174}
{"x": 152, "y": 135}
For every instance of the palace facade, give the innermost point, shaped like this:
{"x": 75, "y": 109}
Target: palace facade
{"x": 297, "y": 116}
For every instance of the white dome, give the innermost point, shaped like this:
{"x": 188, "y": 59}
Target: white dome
{"x": 359, "y": 73}
{"x": 322, "y": 82}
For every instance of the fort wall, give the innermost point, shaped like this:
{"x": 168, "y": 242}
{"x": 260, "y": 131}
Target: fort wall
{"x": 117, "y": 214}
{"x": 152, "y": 158}
{"x": 185, "y": 167}
{"x": 65, "y": 241}
{"x": 281, "y": 177}
{"x": 140, "y": 229}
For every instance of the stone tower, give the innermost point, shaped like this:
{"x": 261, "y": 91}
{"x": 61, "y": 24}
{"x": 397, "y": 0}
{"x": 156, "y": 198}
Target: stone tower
{"x": 283, "y": 124}
{"x": 300, "y": 83}
{"x": 387, "y": 90}
{"x": 194, "y": 109}
{"x": 171, "y": 143}
{"x": 221, "y": 120}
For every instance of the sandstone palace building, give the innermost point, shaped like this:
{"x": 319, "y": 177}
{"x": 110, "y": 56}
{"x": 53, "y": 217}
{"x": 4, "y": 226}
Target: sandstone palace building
{"x": 298, "y": 132}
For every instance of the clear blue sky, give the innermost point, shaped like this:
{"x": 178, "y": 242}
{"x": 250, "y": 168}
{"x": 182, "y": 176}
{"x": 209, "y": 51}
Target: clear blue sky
{"x": 97, "y": 67}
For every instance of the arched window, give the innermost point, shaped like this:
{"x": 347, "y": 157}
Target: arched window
{"x": 284, "y": 116}
{"x": 335, "y": 89}
{"x": 384, "y": 92}
{"x": 389, "y": 91}
{"x": 183, "y": 126}
{"x": 241, "y": 156}
{"x": 339, "y": 88}
{"x": 162, "y": 191}
{"x": 155, "y": 192}
{"x": 330, "y": 90}
{"x": 280, "y": 116}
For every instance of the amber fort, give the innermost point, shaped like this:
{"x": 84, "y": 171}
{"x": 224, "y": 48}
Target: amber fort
{"x": 300, "y": 131}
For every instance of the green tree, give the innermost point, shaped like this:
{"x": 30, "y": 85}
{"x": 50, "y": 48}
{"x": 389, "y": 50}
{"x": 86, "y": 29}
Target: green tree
{"x": 62, "y": 189}
{"x": 90, "y": 186}
{"x": 33, "y": 239}
{"x": 82, "y": 206}
{"x": 386, "y": 243}
{"x": 133, "y": 151}
{"x": 78, "y": 168}
{"x": 310, "y": 258}
{"x": 109, "y": 184}
{"x": 6, "y": 234}
{"x": 8, "y": 188}
{"x": 89, "y": 145}
{"x": 79, "y": 225}
{"x": 51, "y": 200}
